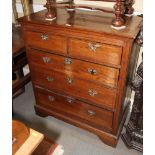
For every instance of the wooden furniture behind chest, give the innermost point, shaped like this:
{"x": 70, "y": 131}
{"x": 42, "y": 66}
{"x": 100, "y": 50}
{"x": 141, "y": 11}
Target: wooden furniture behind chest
{"x": 19, "y": 60}
{"x": 80, "y": 68}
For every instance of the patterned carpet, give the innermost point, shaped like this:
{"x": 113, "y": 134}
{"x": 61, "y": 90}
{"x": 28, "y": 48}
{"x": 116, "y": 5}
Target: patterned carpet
{"x": 75, "y": 141}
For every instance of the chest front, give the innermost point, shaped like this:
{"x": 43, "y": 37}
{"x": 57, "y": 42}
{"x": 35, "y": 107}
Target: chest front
{"x": 79, "y": 75}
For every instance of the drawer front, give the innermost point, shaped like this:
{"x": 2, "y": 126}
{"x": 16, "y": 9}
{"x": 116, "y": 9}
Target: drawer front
{"x": 95, "y": 52}
{"x": 75, "y": 109}
{"x": 99, "y": 74}
{"x": 46, "y": 41}
{"x": 90, "y": 92}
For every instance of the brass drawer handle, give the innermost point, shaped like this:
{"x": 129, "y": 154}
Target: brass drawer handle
{"x": 92, "y": 92}
{"x": 67, "y": 61}
{"x": 92, "y": 71}
{"x": 51, "y": 98}
{"x": 93, "y": 46}
{"x": 50, "y": 79}
{"x": 46, "y": 59}
{"x": 69, "y": 80}
{"x": 91, "y": 113}
{"x": 70, "y": 100}
{"x": 44, "y": 37}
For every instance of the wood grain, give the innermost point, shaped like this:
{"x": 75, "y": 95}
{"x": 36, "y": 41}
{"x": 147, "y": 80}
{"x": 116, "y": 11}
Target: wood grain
{"x": 104, "y": 75}
{"x": 53, "y": 42}
{"x": 105, "y": 97}
{"x": 19, "y": 135}
{"x": 106, "y": 54}
{"x": 70, "y": 107}
{"x": 86, "y": 21}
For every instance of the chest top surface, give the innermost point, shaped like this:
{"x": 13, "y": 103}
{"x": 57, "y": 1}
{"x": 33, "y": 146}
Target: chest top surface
{"x": 85, "y": 21}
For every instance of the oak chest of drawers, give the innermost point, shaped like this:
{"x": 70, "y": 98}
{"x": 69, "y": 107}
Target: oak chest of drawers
{"x": 80, "y": 69}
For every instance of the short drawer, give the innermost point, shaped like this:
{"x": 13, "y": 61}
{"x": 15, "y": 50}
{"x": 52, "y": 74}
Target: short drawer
{"x": 82, "y": 89}
{"x": 99, "y": 74}
{"x": 95, "y": 52}
{"x": 74, "y": 109}
{"x": 46, "y": 41}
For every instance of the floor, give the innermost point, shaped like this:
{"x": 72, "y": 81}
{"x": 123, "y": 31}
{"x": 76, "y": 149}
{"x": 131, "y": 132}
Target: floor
{"x": 75, "y": 141}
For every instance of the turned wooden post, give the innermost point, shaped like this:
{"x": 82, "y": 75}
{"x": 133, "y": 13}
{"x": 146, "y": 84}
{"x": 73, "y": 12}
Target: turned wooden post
{"x": 50, "y": 5}
{"x": 15, "y": 12}
{"x": 70, "y": 20}
{"x": 128, "y": 7}
{"x": 71, "y": 3}
{"x": 26, "y": 7}
{"x": 119, "y": 12}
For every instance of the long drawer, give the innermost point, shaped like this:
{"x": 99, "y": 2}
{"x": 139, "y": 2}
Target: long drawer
{"x": 75, "y": 109}
{"x": 99, "y": 74}
{"x": 95, "y": 52}
{"x": 46, "y": 41}
{"x": 90, "y": 92}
